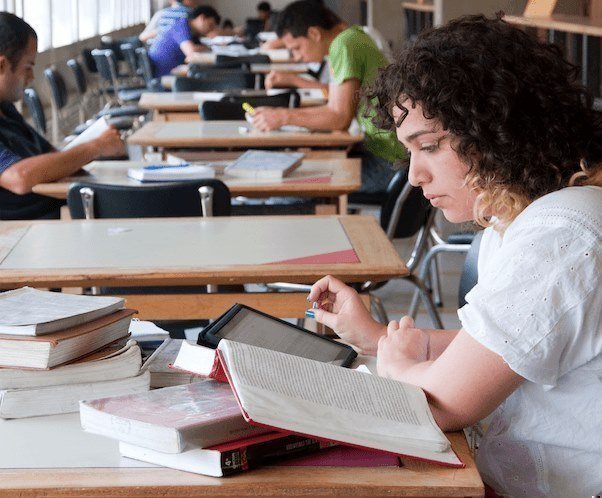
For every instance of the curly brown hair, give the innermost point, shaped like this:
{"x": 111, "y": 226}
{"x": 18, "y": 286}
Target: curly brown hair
{"x": 518, "y": 115}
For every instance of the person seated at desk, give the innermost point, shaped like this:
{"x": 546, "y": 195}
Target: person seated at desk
{"x": 311, "y": 32}
{"x": 164, "y": 18}
{"x": 172, "y": 46}
{"x": 507, "y": 138}
{"x": 26, "y": 158}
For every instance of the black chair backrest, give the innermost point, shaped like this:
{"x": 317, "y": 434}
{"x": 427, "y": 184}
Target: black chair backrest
{"x": 201, "y": 70}
{"x": 414, "y": 212}
{"x": 36, "y": 111}
{"x": 144, "y": 64}
{"x": 153, "y": 201}
{"x": 230, "y": 107}
{"x": 214, "y": 83}
{"x": 79, "y": 76}
{"x": 253, "y": 26}
{"x": 89, "y": 60}
{"x": 114, "y": 44}
{"x": 58, "y": 89}
{"x": 101, "y": 58}
{"x": 249, "y": 59}
{"x": 470, "y": 272}
{"x": 129, "y": 55}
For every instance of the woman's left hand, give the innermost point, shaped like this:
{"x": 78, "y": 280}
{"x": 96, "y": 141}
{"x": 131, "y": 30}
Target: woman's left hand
{"x": 402, "y": 347}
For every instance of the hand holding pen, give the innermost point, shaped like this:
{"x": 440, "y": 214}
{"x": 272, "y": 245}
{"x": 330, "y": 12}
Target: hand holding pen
{"x": 340, "y": 307}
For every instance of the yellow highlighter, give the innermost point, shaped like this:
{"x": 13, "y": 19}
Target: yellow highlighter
{"x": 248, "y": 108}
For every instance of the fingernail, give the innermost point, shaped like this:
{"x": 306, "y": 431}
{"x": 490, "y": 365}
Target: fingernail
{"x": 310, "y": 314}
{"x": 308, "y": 298}
{"x": 315, "y": 305}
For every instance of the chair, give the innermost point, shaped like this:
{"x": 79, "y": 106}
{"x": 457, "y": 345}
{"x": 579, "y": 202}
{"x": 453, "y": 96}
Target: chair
{"x": 36, "y": 110}
{"x": 120, "y": 117}
{"x": 59, "y": 100}
{"x": 91, "y": 200}
{"x": 128, "y": 52}
{"x": 145, "y": 67}
{"x": 404, "y": 214}
{"x": 230, "y": 107}
{"x": 111, "y": 87}
{"x": 218, "y": 83}
{"x": 470, "y": 272}
{"x": 205, "y": 197}
{"x": 249, "y": 59}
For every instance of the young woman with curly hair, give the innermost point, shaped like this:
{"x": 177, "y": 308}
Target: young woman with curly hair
{"x": 501, "y": 132}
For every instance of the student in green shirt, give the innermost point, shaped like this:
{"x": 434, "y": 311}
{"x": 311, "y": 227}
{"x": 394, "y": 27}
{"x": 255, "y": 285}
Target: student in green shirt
{"x": 311, "y": 32}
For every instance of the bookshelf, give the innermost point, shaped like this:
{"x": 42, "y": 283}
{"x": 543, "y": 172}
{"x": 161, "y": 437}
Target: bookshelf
{"x": 579, "y": 35}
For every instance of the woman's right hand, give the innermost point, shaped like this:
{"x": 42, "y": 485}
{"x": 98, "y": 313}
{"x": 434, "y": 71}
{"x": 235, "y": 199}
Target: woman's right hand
{"x": 277, "y": 79}
{"x": 340, "y": 307}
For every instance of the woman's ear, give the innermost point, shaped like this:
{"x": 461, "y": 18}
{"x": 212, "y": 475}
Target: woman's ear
{"x": 314, "y": 33}
{"x": 4, "y": 63}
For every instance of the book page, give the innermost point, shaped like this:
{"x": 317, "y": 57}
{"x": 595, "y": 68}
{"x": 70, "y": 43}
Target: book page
{"x": 327, "y": 401}
{"x": 92, "y": 132}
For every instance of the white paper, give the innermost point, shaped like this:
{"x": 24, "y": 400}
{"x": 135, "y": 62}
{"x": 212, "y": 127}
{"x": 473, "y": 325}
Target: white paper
{"x": 92, "y": 132}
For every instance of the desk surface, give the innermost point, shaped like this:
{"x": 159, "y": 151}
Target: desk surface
{"x": 64, "y": 461}
{"x": 287, "y": 67}
{"x": 190, "y": 101}
{"x": 228, "y": 134}
{"x": 314, "y": 178}
{"x": 193, "y": 251}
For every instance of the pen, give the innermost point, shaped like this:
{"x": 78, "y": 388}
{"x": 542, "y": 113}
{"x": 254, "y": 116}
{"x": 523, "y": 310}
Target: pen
{"x": 248, "y": 108}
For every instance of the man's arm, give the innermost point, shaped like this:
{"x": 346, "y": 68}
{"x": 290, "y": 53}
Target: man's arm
{"x": 337, "y": 114}
{"x": 189, "y": 47}
{"x": 21, "y": 176}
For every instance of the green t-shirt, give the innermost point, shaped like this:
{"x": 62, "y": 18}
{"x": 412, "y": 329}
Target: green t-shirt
{"x": 353, "y": 54}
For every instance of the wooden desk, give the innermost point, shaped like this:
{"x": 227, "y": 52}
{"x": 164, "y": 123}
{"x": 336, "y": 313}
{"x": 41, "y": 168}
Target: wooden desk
{"x": 184, "y": 106}
{"x": 63, "y": 461}
{"x": 194, "y": 251}
{"x": 226, "y": 134}
{"x": 332, "y": 179}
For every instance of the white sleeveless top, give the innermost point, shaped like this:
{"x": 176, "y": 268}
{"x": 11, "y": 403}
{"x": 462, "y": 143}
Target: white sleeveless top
{"x": 538, "y": 304}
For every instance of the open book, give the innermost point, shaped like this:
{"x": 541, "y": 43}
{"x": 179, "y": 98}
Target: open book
{"x": 300, "y": 396}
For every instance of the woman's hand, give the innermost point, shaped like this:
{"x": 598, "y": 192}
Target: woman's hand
{"x": 269, "y": 118}
{"x": 402, "y": 347}
{"x": 340, "y": 307}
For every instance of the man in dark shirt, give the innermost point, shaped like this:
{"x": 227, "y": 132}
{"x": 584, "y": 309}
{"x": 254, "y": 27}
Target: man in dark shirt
{"x": 26, "y": 158}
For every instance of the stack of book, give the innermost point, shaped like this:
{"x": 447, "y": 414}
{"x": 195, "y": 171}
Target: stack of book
{"x": 195, "y": 427}
{"x": 159, "y": 366}
{"x": 273, "y": 405}
{"x": 58, "y": 348}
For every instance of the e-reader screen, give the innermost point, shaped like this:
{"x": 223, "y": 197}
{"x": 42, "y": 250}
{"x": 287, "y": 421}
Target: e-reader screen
{"x": 252, "y": 327}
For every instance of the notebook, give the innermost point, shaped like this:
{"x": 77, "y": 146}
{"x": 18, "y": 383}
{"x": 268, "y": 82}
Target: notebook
{"x": 265, "y": 164}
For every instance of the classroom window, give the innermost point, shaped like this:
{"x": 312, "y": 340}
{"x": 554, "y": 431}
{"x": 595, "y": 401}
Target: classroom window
{"x": 61, "y": 22}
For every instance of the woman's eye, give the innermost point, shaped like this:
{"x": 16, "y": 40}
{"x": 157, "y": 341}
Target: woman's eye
{"x": 430, "y": 147}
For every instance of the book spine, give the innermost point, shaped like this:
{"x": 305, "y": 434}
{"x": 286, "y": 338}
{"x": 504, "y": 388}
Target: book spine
{"x": 264, "y": 453}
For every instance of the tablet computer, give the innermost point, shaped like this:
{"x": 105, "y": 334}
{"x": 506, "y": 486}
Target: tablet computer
{"x": 250, "y": 326}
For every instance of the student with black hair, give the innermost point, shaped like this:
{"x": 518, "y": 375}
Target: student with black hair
{"x": 311, "y": 32}
{"x": 26, "y": 158}
{"x": 172, "y": 46}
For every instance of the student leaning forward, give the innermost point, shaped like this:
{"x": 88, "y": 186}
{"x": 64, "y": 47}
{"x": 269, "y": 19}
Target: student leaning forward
{"x": 501, "y": 132}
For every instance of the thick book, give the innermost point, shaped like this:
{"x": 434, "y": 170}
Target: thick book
{"x": 158, "y": 364}
{"x": 200, "y": 414}
{"x": 264, "y": 164}
{"x": 300, "y": 396}
{"x": 115, "y": 361}
{"x": 170, "y": 173}
{"x": 28, "y": 311}
{"x": 60, "y": 347}
{"x": 50, "y": 400}
{"x": 229, "y": 458}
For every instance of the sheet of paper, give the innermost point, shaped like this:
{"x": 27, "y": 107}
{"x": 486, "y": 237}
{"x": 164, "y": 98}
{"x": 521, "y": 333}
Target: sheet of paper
{"x": 93, "y": 131}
